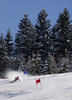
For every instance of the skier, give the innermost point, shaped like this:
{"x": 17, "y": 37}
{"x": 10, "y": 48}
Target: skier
{"x": 16, "y": 78}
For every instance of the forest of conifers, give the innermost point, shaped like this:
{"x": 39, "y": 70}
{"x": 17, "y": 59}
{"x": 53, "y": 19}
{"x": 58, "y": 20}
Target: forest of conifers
{"x": 39, "y": 48}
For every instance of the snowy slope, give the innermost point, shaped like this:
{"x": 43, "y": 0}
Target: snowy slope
{"x": 54, "y": 87}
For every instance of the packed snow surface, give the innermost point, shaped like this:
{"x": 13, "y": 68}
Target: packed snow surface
{"x": 54, "y": 87}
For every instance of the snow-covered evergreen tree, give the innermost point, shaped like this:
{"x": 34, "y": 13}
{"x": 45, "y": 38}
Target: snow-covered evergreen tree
{"x": 51, "y": 65}
{"x": 35, "y": 64}
{"x": 39, "y": 64}
{"x": 9, "y": 43}
{"x": 64, "y": 65}
{"x": 25, "y": 37}
{"x": 47, "y": 63}
{"x": 33, "y": 68}
{"x": 70, "y": 36}
{"x": 61, "y": 33}
{"x": 3, "y": 58}
{"x": 43, "y": 33}
{"x": 2, "y": 47}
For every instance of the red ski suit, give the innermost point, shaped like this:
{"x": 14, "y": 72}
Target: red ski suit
{"x": 17, "y": 78}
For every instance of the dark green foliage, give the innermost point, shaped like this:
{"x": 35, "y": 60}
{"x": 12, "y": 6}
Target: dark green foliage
{"x": 43, "y": 33}
{"x": 2, "y": 47}
{"x": 61, "y": 33}
{"x": 2, "y": 53}
{"x": 35, "y": 64}
{"x": 9, "y": 43}
{"x": 70, "y": 36}
{"x": 39, "y": 50}
{"x": 25, "y": 37}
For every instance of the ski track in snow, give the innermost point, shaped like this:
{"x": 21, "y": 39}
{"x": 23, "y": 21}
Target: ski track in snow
{"x": 54, "y": 87}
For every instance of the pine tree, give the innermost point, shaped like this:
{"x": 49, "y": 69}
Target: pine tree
{"x": 39, "y": 64}
{"x": 3, "y": 59}
{"x": 9, "y": 43}
{"x": 33, "y": 67}
{"x": 35, "y": 64}
{"x": 50, "y": 65}
{"x": 53, "y": 65}
{"x": 43, "y": 33}
{"x": 25, "y": 37}
{"x": 64, "y": 65}
{"x": 2, "y": 47}
{"x": 31, "y": 63}
{"x": 62, "y": 30}
{"x": 70, "y": 35}
{"x": 47, "y": 64}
